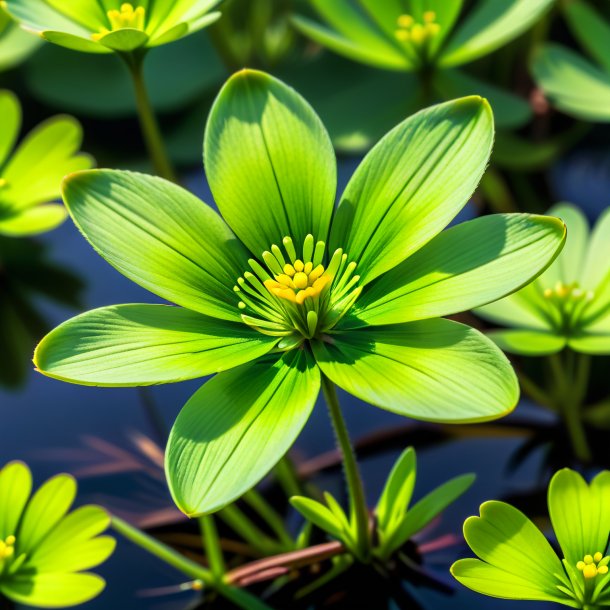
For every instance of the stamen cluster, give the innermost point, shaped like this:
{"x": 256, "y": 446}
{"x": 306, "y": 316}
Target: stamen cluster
{"x": 7, "y": 548}
{"x": 126, "y": 17}
{"x": 592, "y": 565}
{"x": 417, "y": 33}
{"x": 569, "y": 300}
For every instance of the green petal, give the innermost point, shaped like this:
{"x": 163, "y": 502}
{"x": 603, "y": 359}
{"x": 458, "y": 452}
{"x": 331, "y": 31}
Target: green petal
{"x": 579, "y": 513}
{"x": 434, "y": 370}
{"x": 45, "y": 510}
{"x": 75, "y": 556}
{"x": 125, "y": 40}
{"x": 572, "y": 83}
{"x": 40, "y": 16}
{"x": 159, "y": 236}
{"x": 507, "y": 540}
{"x": 491, "y": 25}
{"x": 15, "y": 490}
{"x": 528, "y": 342}
{"x": 10, "y": 111}
{"x": 16, "y": 45}
{"x": 45, "y": 156}
{"x": 89, "y": 14}
{"x": 590, "y": 28}
{"x": 128, "y": 345}
{"x": 510, "y": 111}
{"x": 33, "y": 221}
{"x": 53, "y": 590}
{"x": 75, "y": 42}
{"x": 594, "y": 344}
{"x": 183, "y": 29}
{"x": 270, "y": 162}
{"x": 473, "y": 263}
{"x": 412, "y": 184}
{"x": 162, "y": 16}
{"x": 236, "y": 428}
{"x": 595, "y": 272}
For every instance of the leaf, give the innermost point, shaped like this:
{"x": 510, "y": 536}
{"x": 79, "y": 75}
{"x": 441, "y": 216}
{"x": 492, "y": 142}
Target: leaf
{"x": 152, "y": 232}
{"x": 125, "y": 40}
{"x": 490, "y": 26}
{"x": 433, "y": 370}
{"x": 269, "y": 162}
{"x": 231, "y": 433}
{"x": 422, "y": 513}
{"x": 15, "y": 490}
{"x": 579, "y": 513}
{"x": 74, "y": 42}
{"x": 33, "y": 221}
{"x": 528, "y": 342}
{"x": 10, "y": 111}
{"x": 412, "y": 184}
{"x": 126, "y": 345}
{"x": 466, "y": 266}
{"x": 319, "y": 515}
{"x": 594, "y": 273}
{"x": 572, "y": 84}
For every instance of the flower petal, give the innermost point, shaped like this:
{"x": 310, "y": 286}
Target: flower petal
{"x": 433, "y": 370}
{"x": 159, "y": 236}
{"x": 412, "y": 184}
{"x": 127, "y": 345}
{"x": 10, "y": 111}
{"x": 32, "y": 221}
{"x": 40, "y": 16}
{"x": 269, "y": 162}
{"x": 74, "y": 42}
{"x": 15, "y": 490}
{"x": 464, "y": 267}
{"x": 235, "y": 429}
{"x": 579, "y": 513}
{"x": 125, "y": 40}
{"x": 528, "y": 342}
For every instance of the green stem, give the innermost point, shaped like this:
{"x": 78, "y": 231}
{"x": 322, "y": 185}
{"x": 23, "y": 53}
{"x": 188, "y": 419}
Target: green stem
{"x": 288, "y": 478}
{"x": 162, "y": 551}
{"x": 249, "y": 532}
{"x": 355, "y": 487}
{"x": 211, "y": 545}
{"x": 268, "y": 514}
{"x": 534, "y": 391}
{"x": 148, "y": 120}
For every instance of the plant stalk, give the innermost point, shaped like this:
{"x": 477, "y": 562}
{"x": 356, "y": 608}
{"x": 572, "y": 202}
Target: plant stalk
{"x": 211, "y": 547}
{"x": 355, "y": 487}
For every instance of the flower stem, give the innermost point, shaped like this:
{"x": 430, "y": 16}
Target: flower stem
{"x": 211, "y": 546}
{"x": 355, "y": 487}
{"x": 256, "y": 501}
{"x": 148, "y": 120}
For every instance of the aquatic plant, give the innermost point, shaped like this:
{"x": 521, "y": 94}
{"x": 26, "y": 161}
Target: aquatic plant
{"x": 44, "y": 548}
{"x": 517, "y": 562}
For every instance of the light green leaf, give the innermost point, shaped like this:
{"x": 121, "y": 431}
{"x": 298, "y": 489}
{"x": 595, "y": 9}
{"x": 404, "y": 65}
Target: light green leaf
{"x": 579, "y": 513}
{"x": 75, "y": 556}
{"x": 15, "y": 490}
{"x": 506, "y": 539}
{"x": 412, "y": 184}
{"x": 422, "y": 513}
{"x": 32, "y": 221}
{"x": 53, "y": 590}
{"x": 528, "y": 342}
{"x": 127, "y": 345}
{"x": 590, "y": 28}
{"x": 125, "y": 40}
{"x": 40, "y": 16}
{"x": 491, "y": 25}
{"x": 433, "y": 370}
{"x": 270, "y": 162}
{"x": 319, "y": 515}
{"x": 572, "y": 84}
{"x": 10, "y": 111}
{"x": 510, "y": 111}
{"x": 231, "y": 433}
{"x": 74, "y": 42}
{"x": 466, "y": 266}
{"x": 595, "y": 272}
{"x": 159, "y": 236}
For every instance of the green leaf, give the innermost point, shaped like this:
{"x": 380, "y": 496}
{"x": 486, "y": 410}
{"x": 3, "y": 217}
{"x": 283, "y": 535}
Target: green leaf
{"x": 579, "y": 513}
{"x": 419, "y": 370}
{"x": 412, "y": 184}
{"x": 594, "y": 272}
{"x": 528, "y": 342}
{"x": 520, "y": 563}
{"x": 126, "y": 345}
{"x": 74, "y": 42}
{"x": 572, "y": 84}
{"x": 15, "y": 490}
{"x": 466, "y": 266}
{"x": 53, "y": 590}
{"x": 591, "y": 29}
{"x": 510, "y": 111}
{"x": 10, "y": 111}
{"x": 125, "y": 40}
{"x": 422, "y": 513}
{"x": 152, "y": 232}
{"x": 32, "y": 221}
{"x": 270, "y": 162}
{"x": 319, "y": 515}
{"x": 16, "y": 45}
{"x": 490, "y": 26}
{"x": 231, "y": 433}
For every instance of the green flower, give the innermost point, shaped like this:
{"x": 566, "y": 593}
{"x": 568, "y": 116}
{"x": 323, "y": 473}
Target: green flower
{"x": 571, "y": 82}
{"x": 517, "y": 562}
{"x": 15, "y": 44}
{"x": 43, "y": 548}
{"x": 104, "y": 26}
{"x": 285, "y": 289}
{"x": 428, "y": 37}
{"x": 30, "y": 177}
{"x": 569, "y": 304}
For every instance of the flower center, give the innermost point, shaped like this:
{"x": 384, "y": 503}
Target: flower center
{"x": 3, "y": 183}
{"x": 297, "y": 296}
{"x": 7, "y": 548}
{"x": 592, "y": 565}
{"x": 125, "y": 17}
{"x": 416, "y": 32}
{"x": 569, "y": 300}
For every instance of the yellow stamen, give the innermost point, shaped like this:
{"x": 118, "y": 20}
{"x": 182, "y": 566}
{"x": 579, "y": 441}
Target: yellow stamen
{"x": 589, "y": 571}
{"x": 289, "y": 270}
{"x": 602, "y": 570}
{"x": 429, "y": 16}
{"x": 3, "y": 182}
{"x": 405, "y": 21}
{"x": 590, "y": 565}
{"x": 7, "y": 547}
{"x": 298, "y": 282}
{"x": 588, "y": 559}
{"x": 418, "y": 33}
{"x": 597, "y": 557}
{"x": 126, "y": 17}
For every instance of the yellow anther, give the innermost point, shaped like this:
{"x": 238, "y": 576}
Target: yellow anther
{"x": 432, "y": 29}
{"x": 11, "y": 541}
{"x": 418, "y": 33}
{"x": 301, "y": 280}
{"x": 588, "y": 559}
{"x": 289, "y": 270}
{"x": 590, "y": 565}
{"x": 308, "y": 267}
{"x": 580, "y": 565}
{"x": 285, "y": 280}
{"x": 602, "y": 570}
{"x": 597, "y": 557}
{"x": 3, "y": 182}
{"x": 126, "y": 17}
{"x": 589, "y": 571}
{"x": 197, "y": 585}
{"x": 298, "y": 265}
{"x": 405, "y": 21}
{"x": 429, "y": 16}
{"x": 316, "y": 273}
{"x": 7, "y": 547}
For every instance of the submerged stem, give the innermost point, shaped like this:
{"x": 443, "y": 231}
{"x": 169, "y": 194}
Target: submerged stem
{"x": 352, "y": 474}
